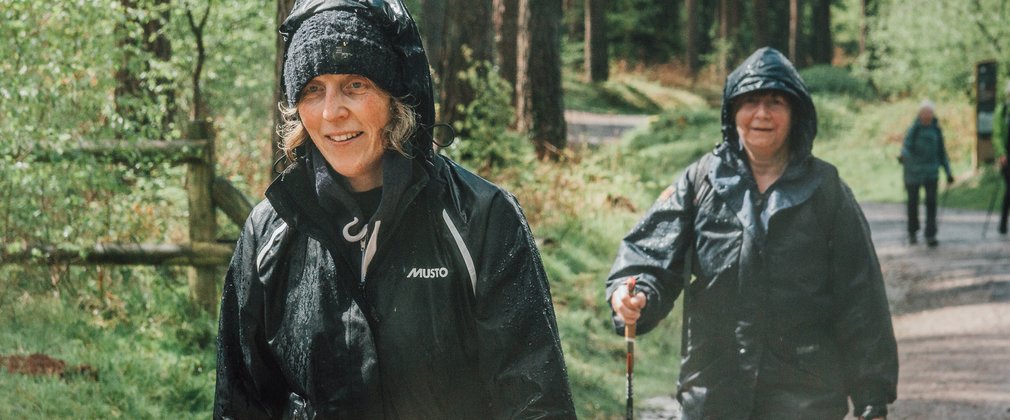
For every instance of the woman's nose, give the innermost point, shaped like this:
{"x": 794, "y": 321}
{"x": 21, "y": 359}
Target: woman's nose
{"x": 763, "y": 109}
{"x": 334, "y": 107}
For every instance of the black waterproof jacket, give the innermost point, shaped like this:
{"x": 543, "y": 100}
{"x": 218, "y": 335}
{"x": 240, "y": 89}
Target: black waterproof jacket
{"x": 435, "y": 308}
{"x": 786, "y": 316}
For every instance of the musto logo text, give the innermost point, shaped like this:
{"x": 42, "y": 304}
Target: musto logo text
{"x": 428, "y": 273}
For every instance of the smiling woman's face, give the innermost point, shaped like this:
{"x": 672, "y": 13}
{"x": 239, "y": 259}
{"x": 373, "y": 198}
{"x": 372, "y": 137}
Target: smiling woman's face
{"x": 763, "y": 119}
{"x": 345, "y": 116}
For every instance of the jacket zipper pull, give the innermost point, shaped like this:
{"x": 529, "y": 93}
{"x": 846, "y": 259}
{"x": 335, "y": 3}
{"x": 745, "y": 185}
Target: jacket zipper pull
{"x": 363, "y": 244}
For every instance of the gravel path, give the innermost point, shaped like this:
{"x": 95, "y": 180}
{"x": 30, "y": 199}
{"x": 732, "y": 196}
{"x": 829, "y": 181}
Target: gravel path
{"x": 593, "y": 129}
{"x": 951, "y": 308}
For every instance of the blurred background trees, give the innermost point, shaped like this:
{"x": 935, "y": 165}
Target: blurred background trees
{"x": 506, "y": 72}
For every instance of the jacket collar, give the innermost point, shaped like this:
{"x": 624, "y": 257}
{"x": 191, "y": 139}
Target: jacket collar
{"x": 309, "y": 198}
{"x": 732, "y": 180}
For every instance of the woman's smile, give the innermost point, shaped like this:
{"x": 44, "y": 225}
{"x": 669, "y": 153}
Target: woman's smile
{"x": 342, "y": 138}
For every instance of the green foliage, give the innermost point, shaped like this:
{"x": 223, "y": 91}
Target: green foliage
{"x": 487, "y": 144}
{"x": 930, "y": 47}
{"x": 153, "y": 351}
{"x": 642, "y": 30}
{"x": 579, "y": 210}
{"x": 825, "y": 79}
{"x": 63, "y": 59}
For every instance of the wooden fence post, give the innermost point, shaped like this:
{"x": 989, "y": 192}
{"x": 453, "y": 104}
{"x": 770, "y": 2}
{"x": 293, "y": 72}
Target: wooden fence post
{"x": 202, "y": 223}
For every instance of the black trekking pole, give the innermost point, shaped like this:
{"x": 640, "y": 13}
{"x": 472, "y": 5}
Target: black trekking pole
{"x": 629, "y": 339}
{"x": 992, "y": 204}
{"x": 943, "y": 203}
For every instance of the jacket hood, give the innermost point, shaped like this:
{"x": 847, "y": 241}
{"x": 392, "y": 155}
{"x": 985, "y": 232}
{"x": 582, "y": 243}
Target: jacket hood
{"x": 401, "y": 32}
{"x": 769, "y": 69}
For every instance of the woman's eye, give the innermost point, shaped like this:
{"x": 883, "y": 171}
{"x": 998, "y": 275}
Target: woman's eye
{"x": 356, "y": 86}
{"x": 313, "y": 89}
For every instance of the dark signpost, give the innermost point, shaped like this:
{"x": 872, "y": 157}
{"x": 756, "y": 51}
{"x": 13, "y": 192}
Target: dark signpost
{"x": 985, "y": 107}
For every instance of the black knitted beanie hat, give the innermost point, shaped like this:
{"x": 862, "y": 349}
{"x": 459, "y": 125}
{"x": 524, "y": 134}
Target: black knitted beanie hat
{"x": 340, "y": 42}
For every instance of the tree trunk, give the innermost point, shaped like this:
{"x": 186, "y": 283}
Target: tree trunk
{"x": 691, "y": 35}
{"x": 540, "y": 103}
{"x": 794, "y": 25}
{"x": 433, "y": 32}
{"x": 724, "y": 36}
{"x": 669, "y": 12}
{"x": 468, "y": 40}
{"x": 823, "y": 48}
{"x": 570, "y": 18}
{"x": 506, "y": 14}
{"x": 283, "y": 8}
{"x": 868, "y": 48}
{"x": 596, "y": 57}
{"x": 735, "y": 11}
{"x": 132, "y": 93}
{"x": 760, "y": 24}
{"x": 202, "y": 222}
{"x": 729, "y": 23}
{"x": 866, "y": 9}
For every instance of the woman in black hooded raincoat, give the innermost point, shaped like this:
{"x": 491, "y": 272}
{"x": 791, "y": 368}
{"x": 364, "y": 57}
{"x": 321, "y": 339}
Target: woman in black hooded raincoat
{"x": 412, "y": 291}
{"x": 786, "y": 316}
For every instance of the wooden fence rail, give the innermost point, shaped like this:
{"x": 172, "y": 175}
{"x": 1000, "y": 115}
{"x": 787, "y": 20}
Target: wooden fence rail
{"x": 194, "y": 254}
{"x": 176, "y": 152}
{"x": 205, "y": 191}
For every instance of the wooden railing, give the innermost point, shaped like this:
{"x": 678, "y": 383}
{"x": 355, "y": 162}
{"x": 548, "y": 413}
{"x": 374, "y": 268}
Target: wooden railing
{"x": 205, "y": 191}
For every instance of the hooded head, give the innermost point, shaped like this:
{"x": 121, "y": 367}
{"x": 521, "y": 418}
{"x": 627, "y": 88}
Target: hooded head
{"x": 373, "y": 38}
{"x": 340, "y": 42}
{"x": 927, "y": 112}
{"x": 767, "y": 69}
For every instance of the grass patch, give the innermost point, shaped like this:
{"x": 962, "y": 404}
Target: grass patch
{"x": 626, "y": 94}
{"x": 153, "y": 353}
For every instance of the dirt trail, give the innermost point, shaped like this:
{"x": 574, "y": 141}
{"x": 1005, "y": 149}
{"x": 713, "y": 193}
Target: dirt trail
{"x": 594, "y": 129}
{"x": 951, "y": 309}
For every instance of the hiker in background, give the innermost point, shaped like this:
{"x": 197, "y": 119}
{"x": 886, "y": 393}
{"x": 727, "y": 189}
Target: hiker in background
{"x": 786, "y": 317}
{"x": 379, "y": 279}
{"x": 1001, "y": 142}
{"x": 922, "y": 154}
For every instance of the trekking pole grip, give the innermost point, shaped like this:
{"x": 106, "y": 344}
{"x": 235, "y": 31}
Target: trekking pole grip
{"x": 629, "y": 340}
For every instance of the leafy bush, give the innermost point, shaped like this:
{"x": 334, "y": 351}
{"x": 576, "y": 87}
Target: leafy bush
{"x": 930, "y": 47}
{"x": 488, "y": 143}
{"x": 829, "y": 79}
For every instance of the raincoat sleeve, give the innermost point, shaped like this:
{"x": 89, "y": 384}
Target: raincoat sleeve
{"x": 863, "y": 322}
{"x": 944, "y": 160}
{"x": 247, "y": 387}
{"x": 654, "y": 252}
{"x": 521, "y": 361}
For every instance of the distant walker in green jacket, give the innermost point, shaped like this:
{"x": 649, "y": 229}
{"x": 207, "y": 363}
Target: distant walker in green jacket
{"x": 922, "y": 154}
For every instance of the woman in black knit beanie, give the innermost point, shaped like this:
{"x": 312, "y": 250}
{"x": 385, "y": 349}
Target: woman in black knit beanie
{"x": 379, "y": 279}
